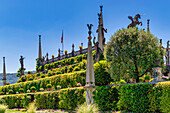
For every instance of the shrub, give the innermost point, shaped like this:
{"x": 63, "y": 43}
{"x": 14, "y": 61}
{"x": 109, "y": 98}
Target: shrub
{"x": 38, "y": 74}
{"x": 140, "y": 79}
{"x": 33, "y": 88}
{"x": 147, "y": 77}
{"x": 161, "y": 93}
{"x": 31, "y": 108}
{"x": 106, "y": 98}
{"x": 76, "y": 69}
{"x": 10, "y": 91}
{"x": 49, "y": 74}
{"x": 48, "y": 86}
{"x": 75, "y": 96}
{"x": 134, "y": 97}
{"x": 85, "y": 108}
{"x": 102, "y": 77}
{"x": 3, "y": 108}
{"x": 21, "y": 90}
{"x": 42, "y": 76}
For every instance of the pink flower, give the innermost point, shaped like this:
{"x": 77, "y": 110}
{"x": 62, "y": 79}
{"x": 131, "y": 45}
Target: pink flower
{"x": 79, "y": 84}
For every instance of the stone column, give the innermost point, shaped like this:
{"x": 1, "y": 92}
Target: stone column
{"x": 4, "y": 72}
{"x": 90, "y": 80}
{"x": 40, "y": 53}
{"x": 101, "y": 30}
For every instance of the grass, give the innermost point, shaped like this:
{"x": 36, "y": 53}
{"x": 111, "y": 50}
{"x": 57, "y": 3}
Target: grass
{"x": 3, "y": 108}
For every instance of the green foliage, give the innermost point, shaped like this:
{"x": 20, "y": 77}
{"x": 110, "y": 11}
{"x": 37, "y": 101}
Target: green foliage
{"x": 102, "y": 77}
{"x": 147, "y": 77}
{"x": 76, "y": 69}
{"x": 131, "y": 53}
{"x": 85, "y": 108}
{"x": 106, "y": 97}
{"x": 75, "y": 96}
{"x": 31, "y": 108}
{"x": 162, "y": 93}
{"x": 21, "y": 90}
{"x": 33, "y": 88}
{"x": 64, "y": 80}
{"x": 10, "y": 91}
{"x": 3, "y": 108}
{"x": 48, "y": 86}
{"x": 134, "y": 98}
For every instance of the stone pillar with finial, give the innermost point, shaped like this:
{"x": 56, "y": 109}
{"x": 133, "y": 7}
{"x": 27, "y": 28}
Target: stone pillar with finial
{"x": 4, "y": 72}
{"x": 148, "y": 25}
{"x": 168, "y": 54}
{"x": 101, "y": 30}
{"x": 72, "y": 50}
{"x": 40, "y": 52}
{"x": 90, "y": 80}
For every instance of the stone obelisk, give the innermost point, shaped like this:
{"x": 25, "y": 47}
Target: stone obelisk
{"x": 40, "y": 53}
{"x": 4, "y": 72}
{"x": 90, "y": 80}
{"x": 101, "y": 30}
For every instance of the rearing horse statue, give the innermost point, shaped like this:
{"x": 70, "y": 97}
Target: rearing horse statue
{"x": 135, "y": 21}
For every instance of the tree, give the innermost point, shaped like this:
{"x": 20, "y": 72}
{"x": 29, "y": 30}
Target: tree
{"x": 131, "y": 53}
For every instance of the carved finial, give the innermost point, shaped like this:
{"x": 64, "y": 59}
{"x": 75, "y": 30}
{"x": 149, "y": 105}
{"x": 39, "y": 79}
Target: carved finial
{"x": 168, "y": 44}
{"x": 39, "y": 36}
{"x": 89, "y": 27}
{"x": 161, "y": 42}
{"x": 101, "y": 8}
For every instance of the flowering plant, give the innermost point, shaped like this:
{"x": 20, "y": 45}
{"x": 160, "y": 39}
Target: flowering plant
{"x": 79, "y": 84}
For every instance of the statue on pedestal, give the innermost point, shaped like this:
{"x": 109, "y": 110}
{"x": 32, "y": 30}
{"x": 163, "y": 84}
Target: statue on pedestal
{"x": 98, "y": 50}
{"x": 134, "y": 20}
{"x": 22, "y": 65}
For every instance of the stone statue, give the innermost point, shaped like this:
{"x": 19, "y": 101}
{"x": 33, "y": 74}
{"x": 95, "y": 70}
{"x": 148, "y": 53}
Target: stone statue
{"x": 47, "y": 57}
{"x": 72, "y": 50}
{"x": 135, "y": 21}
{"x": 89, "y": 27}
{"x": 98, "y": 50}
{"x": 21, "y": 62}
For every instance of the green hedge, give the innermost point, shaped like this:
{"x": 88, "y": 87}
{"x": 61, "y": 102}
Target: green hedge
{"x": 141, "y": 97}
{"x": 17, "y": 101}
{"x": 63, "y": 80}
{"x": 64, "y": 99}
{"x": 106, "y": 97}
{"x": 135, "y": 97}
{"x": 102, "y": 77}
{"x": 75, "y": 96}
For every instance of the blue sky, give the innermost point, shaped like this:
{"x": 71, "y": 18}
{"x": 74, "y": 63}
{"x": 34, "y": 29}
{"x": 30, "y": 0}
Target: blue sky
{"x": 21, "y": 21}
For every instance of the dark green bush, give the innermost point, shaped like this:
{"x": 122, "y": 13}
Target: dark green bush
{"x": 102, "y": 77}
{"x": 48, "y": 86}
{"x": 135, "y": 97}
{"x": 147, "y": 77}
{"x": 75, "y": 96}
{"x": 21, "y": 90}
{"x": 106, "y": 98}
{"x": 33, "y": 88}
{"x": 10, "y": 91}
{"x": 76, "y": 69}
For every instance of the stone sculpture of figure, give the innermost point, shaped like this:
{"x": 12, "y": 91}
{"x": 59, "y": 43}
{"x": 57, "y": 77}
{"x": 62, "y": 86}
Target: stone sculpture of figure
{"x": 21, "y": 62}
{"x": 89, "y": 27}
{"x": 43, "y": 58}
{"x": 98, "y": 50}
{"x": 47, "y": 57}
{"x": 59, "y": 53}
{"x": 135, "y": 21}
{"x": 72, "y": 50}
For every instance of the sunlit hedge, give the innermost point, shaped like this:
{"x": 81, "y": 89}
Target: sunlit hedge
{"x": 62, "y": 80}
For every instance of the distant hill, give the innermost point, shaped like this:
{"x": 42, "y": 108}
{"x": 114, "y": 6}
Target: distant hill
{"x": 11, "y": 78}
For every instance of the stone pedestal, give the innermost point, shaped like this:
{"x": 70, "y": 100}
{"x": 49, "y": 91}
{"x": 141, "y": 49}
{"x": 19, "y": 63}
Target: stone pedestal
{"x": 157, "y": 74}
{"x": 89, "y": 94}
